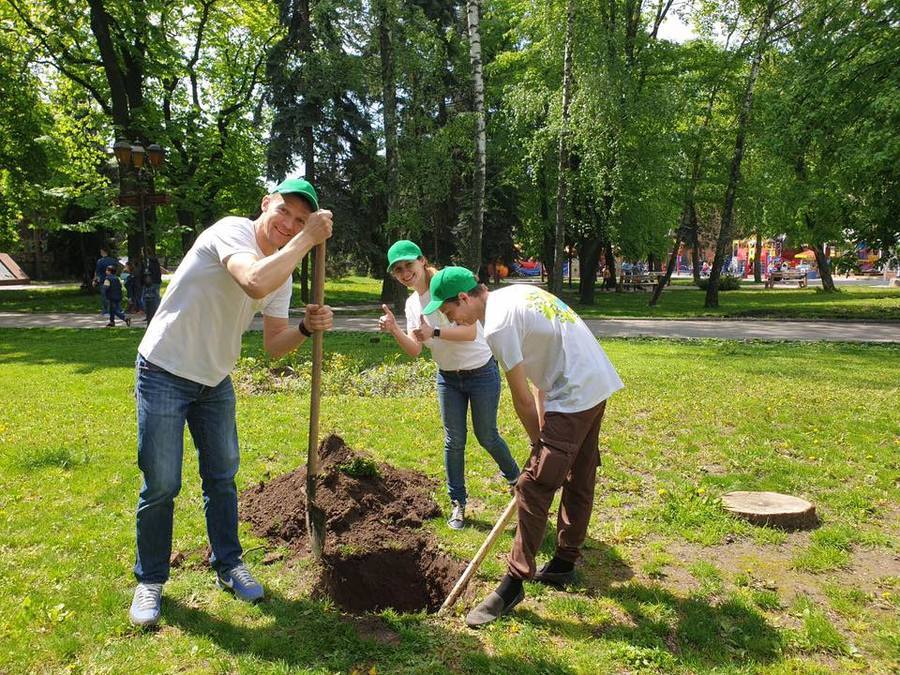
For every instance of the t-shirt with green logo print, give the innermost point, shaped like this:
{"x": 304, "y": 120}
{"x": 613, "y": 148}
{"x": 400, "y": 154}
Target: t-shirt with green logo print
{"x": 525, "y": 324}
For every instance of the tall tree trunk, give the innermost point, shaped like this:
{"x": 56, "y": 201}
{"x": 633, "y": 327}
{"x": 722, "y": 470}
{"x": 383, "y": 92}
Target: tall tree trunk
{"x": 680, "y": 235}
{"x": 611, "y": 264}
{"x": 304, "y": 279}
{"x": 687, "y": 229}
{"x": 824, "y": 266}
{"x": 817, "y": 246}
{"x": 588, "y": 255}
{"x": 696, "y": 263}
{"x": 757, "y": 272}
{"x": 391, "y": 290}
{"x": 726, "y": 232}
{"x": 473, "y": 12}
{"x": 547, "y": 246}
{"x": 188, "y": 226}
{"x": 125, "y": 77}
{"x": 560, "y": 235}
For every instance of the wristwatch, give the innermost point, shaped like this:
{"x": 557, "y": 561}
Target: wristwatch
{"x": 303, "y": 329}
{"x": 437, "y": 333}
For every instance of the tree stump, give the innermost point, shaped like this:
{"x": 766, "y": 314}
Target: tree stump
{"x": 771, "y": 509}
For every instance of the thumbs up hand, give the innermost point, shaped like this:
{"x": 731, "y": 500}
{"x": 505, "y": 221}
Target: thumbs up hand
{"x": 424, "y": 331}
{"x": 387, "y": 322}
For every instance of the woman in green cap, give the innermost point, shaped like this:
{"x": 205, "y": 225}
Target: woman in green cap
{"x": 468, "y": 376}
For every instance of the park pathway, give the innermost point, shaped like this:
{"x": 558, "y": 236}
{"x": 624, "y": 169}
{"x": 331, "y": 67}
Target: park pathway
{"x": 723, "y": 329}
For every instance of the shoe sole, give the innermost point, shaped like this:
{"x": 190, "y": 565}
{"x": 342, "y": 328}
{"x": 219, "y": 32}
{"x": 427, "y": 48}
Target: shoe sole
{"x": 147, "y": 623}
{"x": 144, "y": 624}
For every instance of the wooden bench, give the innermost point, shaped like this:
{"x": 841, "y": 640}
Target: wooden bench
{"x": 787, "y": 275}
{"x": 639, "y": 282}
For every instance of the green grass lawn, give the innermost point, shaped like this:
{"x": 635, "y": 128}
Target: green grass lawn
{"x": 668, "y": 583}
{"x": 70, "y": 298}
{"x": 852, "y": 302}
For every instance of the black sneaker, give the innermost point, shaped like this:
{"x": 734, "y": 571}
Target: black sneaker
{"x": 558, "y": 579}
{"x": 491, "y": 609}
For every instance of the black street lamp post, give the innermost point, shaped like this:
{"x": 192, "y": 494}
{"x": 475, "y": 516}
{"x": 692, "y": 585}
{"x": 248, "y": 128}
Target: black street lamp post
{"x": 144, "y": 163}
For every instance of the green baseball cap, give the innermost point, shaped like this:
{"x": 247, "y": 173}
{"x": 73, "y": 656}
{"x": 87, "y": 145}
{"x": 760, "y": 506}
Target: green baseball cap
{"x": 298, "y": 186}
{"x": 447, "y": 284}
{"x": 402, "y": 251}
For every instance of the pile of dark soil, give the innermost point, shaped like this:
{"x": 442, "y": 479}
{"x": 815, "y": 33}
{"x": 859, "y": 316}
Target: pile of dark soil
{"x": 376, "y": 554}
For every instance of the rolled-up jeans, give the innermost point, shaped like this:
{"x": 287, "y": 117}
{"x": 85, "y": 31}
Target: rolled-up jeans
{"x": 165, "y": 402}
{"x": 457, "y": 390}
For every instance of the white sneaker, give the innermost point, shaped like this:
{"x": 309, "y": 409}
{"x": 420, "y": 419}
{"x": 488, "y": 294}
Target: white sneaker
{"x": 239, "y": 581}
{"x": 145, "y": 606}
{"x": 457, "y": 518}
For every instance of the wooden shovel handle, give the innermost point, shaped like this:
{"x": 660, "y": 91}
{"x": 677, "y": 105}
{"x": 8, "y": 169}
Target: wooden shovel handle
{"x": 316, "y": 385}
{"x": 479, "y": 557}
{"x": 315, "y": 521}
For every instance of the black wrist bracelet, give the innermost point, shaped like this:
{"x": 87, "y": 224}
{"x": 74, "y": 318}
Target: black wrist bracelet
{"x": 303, "y": 328}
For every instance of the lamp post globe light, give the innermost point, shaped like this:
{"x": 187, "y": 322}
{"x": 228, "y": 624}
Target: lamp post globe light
{"x": 142, "y": 163}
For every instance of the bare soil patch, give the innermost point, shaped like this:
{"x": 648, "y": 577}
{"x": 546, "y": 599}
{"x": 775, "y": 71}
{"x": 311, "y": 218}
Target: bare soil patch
{"x": 376, "y": 554}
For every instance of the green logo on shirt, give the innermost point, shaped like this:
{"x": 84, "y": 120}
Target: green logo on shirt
{"x": 550, "y": 306}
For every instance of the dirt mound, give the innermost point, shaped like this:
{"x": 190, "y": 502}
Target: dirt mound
{"x": 373, "y": 515}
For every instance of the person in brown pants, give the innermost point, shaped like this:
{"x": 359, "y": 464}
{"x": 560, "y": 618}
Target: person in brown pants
{"x": 538, "y": 339}
{"x": 567, "y": 457}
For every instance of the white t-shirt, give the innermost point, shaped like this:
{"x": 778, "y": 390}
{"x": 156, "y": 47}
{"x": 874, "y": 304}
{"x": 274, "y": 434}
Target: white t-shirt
{"x": 196, "y": 332}
{"x": 528, "y": 325}
{"x": 448, "y": 354}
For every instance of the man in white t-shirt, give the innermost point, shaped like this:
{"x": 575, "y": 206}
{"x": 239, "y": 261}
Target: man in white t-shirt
{"x": 236, "y": 268}
{"x": 537, "y": 338}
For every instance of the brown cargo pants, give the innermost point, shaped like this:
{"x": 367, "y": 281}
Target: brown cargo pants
{"x": 567, "y": 457}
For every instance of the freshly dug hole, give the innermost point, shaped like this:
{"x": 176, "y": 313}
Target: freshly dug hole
{"x": 410, "y": 578}
{"x": 376, "y": 554}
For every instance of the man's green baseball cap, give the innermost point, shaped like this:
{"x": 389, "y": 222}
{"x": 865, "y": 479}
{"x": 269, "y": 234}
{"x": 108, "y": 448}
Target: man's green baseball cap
{"x": 298, "y": 186}
{"x": 401, "y": 251}
{"x": 447, "y": 284}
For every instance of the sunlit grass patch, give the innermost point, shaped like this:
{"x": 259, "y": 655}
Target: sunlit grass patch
{"x": 58, "y": 457}
{"x": 847, "y": 601}
{"x": 695, "y": 420}
{"x": 829, "y": 549}
{"x": 708, "y": 575}
{"x": 657, "y": 561}
{"x": 818, "y": 634}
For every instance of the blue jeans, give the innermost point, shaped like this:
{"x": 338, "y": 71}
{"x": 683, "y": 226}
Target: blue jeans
{"x": 164, "y": 403}
{"x": 456, "y": 391}
{"x": 115, "y": 310}
{"x": 104, "y": 302}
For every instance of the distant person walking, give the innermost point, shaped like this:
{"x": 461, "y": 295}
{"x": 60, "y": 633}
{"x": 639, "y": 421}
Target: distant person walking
{"x": 112, "y": 286}
{"x": 131, "y": 281}
{"x": 152, "y": 283}
{"x": 104, "y": 261}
